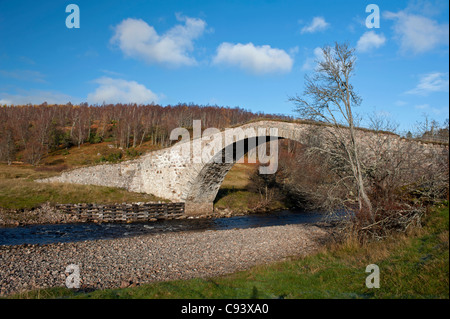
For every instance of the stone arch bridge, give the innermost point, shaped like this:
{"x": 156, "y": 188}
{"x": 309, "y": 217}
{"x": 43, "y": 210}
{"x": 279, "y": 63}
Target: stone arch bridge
{"x": 192, "y": 170}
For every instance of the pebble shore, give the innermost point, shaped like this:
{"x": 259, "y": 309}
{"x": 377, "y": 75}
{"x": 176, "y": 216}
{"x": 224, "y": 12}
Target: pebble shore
{"x": 44, "y": 214}
{"x": 124, "y": 262}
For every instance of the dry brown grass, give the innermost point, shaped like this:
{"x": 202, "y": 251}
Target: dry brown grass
{"x": 89, "y": 154}
{"x": 239, "y": 176}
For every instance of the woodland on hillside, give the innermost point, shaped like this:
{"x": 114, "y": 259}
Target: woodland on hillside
{"x": 30, "y": 132}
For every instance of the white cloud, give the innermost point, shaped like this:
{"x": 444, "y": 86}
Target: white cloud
{"x": 317, "y": 24}
{"x": 6, "y": 102}
{"x": 121, "y": 91}
{"x": 255, "y": 59}
{"x": 369, "y": 41}
{"x": 139, "y": 40}
{"x": 431, "y": 82}
{"x": 36, "y": 97}
{"x": 418, "y": 34}
{"x": 310, "y": 63}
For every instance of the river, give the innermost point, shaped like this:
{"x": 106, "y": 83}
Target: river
{"x": 57, "y": 233}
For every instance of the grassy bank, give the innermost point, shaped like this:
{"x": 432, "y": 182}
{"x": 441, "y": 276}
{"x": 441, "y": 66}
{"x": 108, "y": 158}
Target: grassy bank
{"x": 415, "y": 265}
{"x": 234, "y": 194}
{"x": 18, "y": 190}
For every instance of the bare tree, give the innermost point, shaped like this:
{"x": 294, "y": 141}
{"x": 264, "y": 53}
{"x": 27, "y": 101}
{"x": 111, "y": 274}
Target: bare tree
{"x": 430, "y": 130}
{"x": 330, "y": 97}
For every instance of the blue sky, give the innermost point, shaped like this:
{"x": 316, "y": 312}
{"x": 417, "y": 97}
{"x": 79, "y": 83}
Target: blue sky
{"x": 251, "y": 54}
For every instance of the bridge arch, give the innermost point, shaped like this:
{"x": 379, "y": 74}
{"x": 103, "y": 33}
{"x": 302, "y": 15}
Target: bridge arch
{"x": 201, "y": 190}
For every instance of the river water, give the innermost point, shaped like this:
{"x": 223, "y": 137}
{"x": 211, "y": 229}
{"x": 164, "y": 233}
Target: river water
{"x": 57, "y": 233}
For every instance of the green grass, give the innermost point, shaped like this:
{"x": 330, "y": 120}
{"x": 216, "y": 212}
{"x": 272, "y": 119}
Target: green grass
{"x": 411, "y": 266}
{"x": 236, "y": 200}
{"x": 18, "y": 190}
{"x": 234, "y": 195}
{"x": 242, "y": 200}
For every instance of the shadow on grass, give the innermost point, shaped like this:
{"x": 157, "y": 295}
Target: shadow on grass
{"x": 223, "y": 192}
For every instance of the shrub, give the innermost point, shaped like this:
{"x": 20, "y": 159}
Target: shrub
{"x": 113, "y": 157}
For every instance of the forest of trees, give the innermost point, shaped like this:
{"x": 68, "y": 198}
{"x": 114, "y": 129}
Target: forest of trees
{"x": 430, "y": 130}
{"x": 29, "y": 132}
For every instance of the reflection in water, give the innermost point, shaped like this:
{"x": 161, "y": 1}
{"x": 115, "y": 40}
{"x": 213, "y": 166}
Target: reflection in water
{"x": 46, "y": 234}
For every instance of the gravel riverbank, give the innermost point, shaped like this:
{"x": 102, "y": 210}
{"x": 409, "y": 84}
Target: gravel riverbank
{"x": 44, "y": 214}
{"x": 133, "y": 261}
